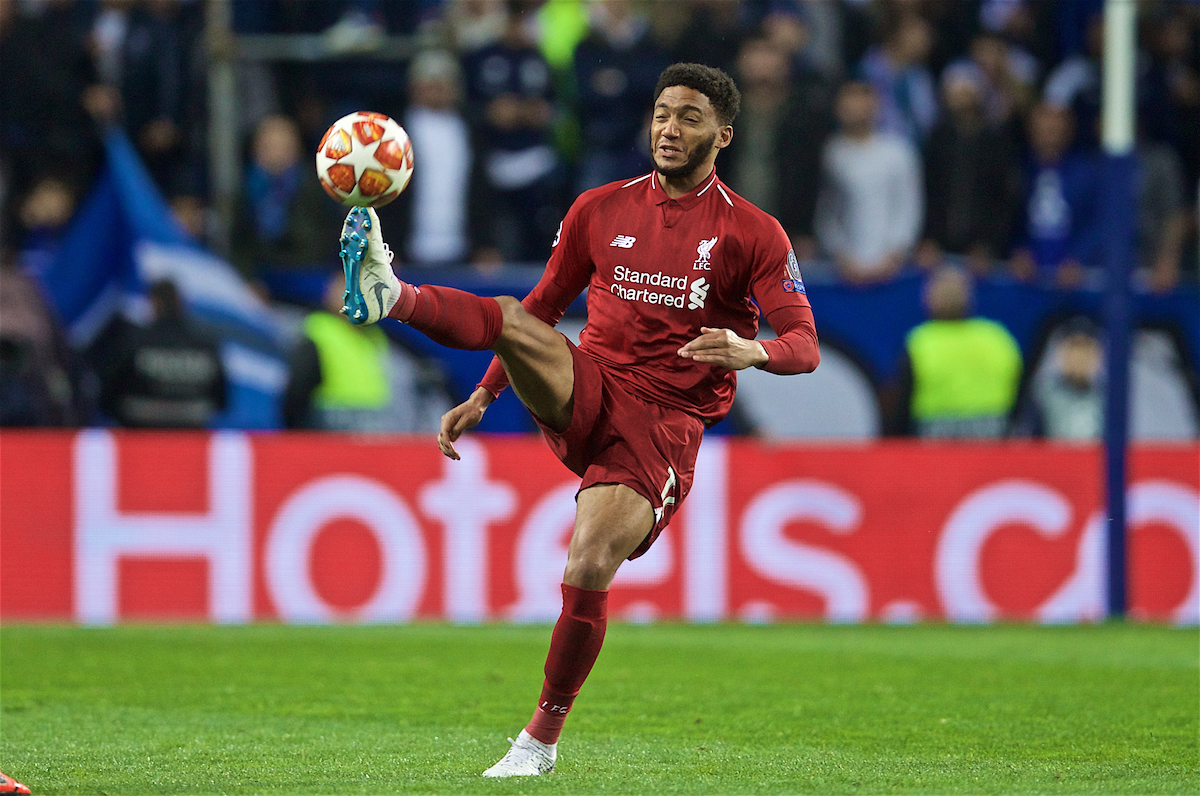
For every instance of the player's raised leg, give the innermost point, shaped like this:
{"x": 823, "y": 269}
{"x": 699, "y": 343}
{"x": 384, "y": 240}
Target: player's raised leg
{"x": 611, "y": 520}
{"x": 536, "y": 358}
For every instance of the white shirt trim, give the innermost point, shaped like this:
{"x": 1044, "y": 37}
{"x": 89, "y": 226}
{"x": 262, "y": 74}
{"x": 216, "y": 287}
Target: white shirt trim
{"x": 722, "y": 190}
{"x": 710, "y": 184}
{"x": 639, "y": 179}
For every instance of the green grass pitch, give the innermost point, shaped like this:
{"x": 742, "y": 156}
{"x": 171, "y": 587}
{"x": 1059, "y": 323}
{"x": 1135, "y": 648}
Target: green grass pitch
{"x": 669, "y": 709}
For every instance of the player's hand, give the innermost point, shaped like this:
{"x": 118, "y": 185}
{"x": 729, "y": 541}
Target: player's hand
{"x": 723, "y": 347}
{"x": 461, "y": 418}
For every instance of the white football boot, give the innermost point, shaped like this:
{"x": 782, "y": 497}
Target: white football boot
{"x": 527, "y": 757}
{"x": 372, "y": 288}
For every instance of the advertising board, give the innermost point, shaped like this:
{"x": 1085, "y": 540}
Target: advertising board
{"x": 100, "y": 527}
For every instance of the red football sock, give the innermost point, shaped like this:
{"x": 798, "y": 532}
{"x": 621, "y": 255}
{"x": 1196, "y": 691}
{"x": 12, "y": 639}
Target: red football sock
{"x": 574, "y": 645}
{"x": 454, "y": 318}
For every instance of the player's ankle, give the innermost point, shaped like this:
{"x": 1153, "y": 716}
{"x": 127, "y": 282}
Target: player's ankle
{"x": 402, "y": 310}
{"x": 546, "y": 726}
{"x": 550, "y": 738}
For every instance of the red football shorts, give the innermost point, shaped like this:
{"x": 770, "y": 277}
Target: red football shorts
{"x": 617, "y": 438}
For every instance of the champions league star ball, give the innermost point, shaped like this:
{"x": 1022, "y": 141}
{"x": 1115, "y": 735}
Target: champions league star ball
{"x": 364, "y": 160}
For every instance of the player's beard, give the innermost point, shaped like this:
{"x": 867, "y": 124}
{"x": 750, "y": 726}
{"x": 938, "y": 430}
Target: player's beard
{"x": 699, "y": 154}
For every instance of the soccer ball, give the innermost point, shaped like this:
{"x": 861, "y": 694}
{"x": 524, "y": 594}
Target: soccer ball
{"x": 364, "y": 160}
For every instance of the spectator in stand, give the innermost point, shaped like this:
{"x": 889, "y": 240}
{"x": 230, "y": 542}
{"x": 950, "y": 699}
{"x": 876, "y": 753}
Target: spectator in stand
{"x": 1007, "y": 76}
{"x": 359, "y": 30}
{"x": 37, "y": 384}
{"x": 775, "y": 158}
{"x": 1168, "y": 89}
{"x": 785, "y": 25}
{"x": 972, "y": 180}
{"x": 1068, "y": 392}
{"x": 285, "y": 221}
{"x": 871, "y": 205}
{"x": 955, "y": 25}
{"x": 44, "y": 124}
{"x": 436, "y": 203}
{"x": 1027, "y": 25}
{"x": 1059, "y": 220}
{"x": 167, "y": 374}
{"x": 714, "y": 33}
{"x": 616, "y": 68}
{"x": 1073, "y": 23}
{"x": 142, "y": 53}
{"x": 1162, "y": 219}
{"x": 44, "y": 215}
{"x": 511, "y": 99}
{"x": 897, "y": 72}
{"x": 192, "y": 213}
{"x": 858, "y": 22}
{"x": 1075, "y": 84}
{"x": 961, "y": 373}
{"x": 475, "y": 24}
{"x": 344, "y": 377}
{"x": 807, "y": 33}
{"x": 810, "y": 32}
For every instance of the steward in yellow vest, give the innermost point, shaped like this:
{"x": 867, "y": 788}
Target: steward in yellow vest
{"x": 341, "y": 375}
{"x": 340, "y": 379}
{"x": 963, "y": 373}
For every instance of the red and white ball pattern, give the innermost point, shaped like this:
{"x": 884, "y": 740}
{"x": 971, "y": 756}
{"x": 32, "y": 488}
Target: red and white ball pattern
{"x": 364, "y": 160}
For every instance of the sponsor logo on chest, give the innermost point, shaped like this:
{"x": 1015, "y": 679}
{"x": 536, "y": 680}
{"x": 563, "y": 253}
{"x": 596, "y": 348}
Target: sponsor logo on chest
{"x": 669, "y": 285}
{"x": 659, "y": 288}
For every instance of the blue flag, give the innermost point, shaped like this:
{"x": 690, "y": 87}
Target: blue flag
{"x": 123, "y": 239}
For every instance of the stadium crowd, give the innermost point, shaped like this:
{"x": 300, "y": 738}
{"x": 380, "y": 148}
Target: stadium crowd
{"x": 885, "y": 135}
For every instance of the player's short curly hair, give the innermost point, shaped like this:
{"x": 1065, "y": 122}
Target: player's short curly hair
{"x": 713, "y": 83}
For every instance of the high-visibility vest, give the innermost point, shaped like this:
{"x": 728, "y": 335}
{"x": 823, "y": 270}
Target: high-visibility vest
{"x": 966, "y": 368}
{"x": 353, "y": 363}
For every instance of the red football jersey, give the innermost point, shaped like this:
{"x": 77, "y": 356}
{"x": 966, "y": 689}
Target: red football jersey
{"x": 657, "y": 269}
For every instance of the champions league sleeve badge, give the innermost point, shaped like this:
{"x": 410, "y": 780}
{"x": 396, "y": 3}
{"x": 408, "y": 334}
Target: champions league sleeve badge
{"x": 793, "y": 284}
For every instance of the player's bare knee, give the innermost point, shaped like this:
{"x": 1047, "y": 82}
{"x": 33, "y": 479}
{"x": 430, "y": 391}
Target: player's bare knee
{"x": 510, "y": 306}
{"x": 518, "y": 327}
{"x": 514, "y": 313}
{"x": 589, "y": 572}
{"x": 592, "y": 566}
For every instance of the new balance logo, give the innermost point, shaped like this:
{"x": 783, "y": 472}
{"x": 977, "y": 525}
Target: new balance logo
{"x": 698, "y": 295}
{"x": 623, "y": 241}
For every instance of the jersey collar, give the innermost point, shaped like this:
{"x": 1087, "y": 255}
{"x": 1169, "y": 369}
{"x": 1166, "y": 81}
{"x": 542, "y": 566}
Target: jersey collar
{"x": 688, "y": 200}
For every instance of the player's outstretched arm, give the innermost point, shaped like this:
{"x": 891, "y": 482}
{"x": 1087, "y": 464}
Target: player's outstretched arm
{"x": 461, "y": 418}
{"x": 725, "y": 348}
